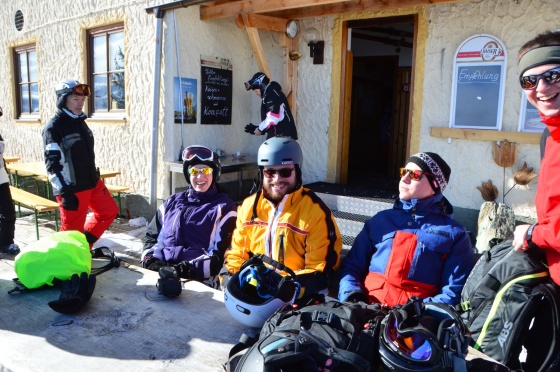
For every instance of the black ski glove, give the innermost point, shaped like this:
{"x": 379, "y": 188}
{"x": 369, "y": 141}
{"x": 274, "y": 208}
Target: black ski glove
{"x": 186, "y": 270}
{"x": 75, "y": 293}
{"x": 69, "y": 201}
{"x": 169, "y": 283}
{"x": 356, "y": 296}
{"x": 250, "y": 128}
{"x": 154, "y": 264}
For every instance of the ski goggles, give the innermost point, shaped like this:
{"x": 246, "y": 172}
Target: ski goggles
{"x": 259, "y": 281}
{"x": 78, "y": 90}
{"x": 530, "y": 82}
{"x": 414, "y": 343}
{"x": 193, "y": 171}
{"x": 415, "y": 175}
{"x": 201, "y": 152}
{"x": 282, "y": 172}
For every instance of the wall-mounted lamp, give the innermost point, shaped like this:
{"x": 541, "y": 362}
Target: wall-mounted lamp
{"x": 316, "y": 46}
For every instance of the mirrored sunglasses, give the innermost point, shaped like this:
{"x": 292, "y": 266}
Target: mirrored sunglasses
{"x": 193, "y": 171}
{"x": 415, "y": 175}
{"x": 201, "y": 152}
{"x": 530, "y": 82}
{"x": 282, "y": 172}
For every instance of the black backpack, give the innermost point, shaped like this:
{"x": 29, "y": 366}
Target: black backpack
{"x": 333, "y": 335}
{"x": 509, "y": 303}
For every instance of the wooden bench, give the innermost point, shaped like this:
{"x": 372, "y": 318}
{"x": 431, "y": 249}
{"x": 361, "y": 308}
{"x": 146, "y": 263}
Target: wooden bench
{"x": 35, "y": 202}
{"x": 117, "y": 190}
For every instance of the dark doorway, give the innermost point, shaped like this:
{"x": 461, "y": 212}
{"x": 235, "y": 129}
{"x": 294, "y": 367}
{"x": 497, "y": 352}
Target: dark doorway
{"x": 380, "y": 106}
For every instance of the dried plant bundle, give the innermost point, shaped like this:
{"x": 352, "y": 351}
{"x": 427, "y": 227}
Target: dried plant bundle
{"x": 524, "y": 175}
{"x": 488, "y": 191}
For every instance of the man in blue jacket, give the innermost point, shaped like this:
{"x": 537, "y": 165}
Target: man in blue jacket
{"x": 413, "y": 249}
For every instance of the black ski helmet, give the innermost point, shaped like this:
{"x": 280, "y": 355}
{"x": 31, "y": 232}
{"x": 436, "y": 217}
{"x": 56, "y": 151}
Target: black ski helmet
{"x": 425, "y": 337}
{"x": 258, "y": 81}
{"x": 197, "y": 154}
{"x": 68, "y": 87}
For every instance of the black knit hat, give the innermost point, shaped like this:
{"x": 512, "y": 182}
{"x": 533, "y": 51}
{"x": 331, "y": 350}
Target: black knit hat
{"x": 432, "y": 163}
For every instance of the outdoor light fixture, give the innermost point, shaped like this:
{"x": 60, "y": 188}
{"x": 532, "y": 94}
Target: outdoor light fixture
{"x": 316, "y": 46}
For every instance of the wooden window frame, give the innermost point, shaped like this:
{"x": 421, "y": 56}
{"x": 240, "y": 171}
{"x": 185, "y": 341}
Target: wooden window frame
{"x": 17, "y": 52}
{"x": 110, "y": 113}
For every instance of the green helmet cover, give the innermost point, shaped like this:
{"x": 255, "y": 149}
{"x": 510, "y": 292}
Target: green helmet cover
{"x": 59, "y": 255}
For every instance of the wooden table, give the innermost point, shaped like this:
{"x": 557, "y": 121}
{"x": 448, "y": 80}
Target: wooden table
{"x": 229, "y": 164}
{"x": 38, "y": 169}
{"x": 11, "y": 159}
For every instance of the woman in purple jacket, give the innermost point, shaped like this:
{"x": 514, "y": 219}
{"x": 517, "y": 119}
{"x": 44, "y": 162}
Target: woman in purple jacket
{"x": 192, "y": 229}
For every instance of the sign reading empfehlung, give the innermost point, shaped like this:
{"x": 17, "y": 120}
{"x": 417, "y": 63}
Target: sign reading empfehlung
{"x": 479, "y": 75}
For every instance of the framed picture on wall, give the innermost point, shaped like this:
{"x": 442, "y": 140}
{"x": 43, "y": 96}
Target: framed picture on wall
{"x": 529, "y": 118}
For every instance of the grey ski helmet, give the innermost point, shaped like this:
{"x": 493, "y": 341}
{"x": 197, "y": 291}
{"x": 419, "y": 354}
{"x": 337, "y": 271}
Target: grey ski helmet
{"x": 279, "y": 151}
{"x": 68, "y": 87}
{"x": 197, "y": 154}
{"x": 258, "y": 81}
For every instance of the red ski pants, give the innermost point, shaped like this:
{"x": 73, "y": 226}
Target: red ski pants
{"x": 103, "y": 208}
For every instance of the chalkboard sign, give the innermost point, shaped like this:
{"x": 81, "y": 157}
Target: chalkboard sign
{"x": 477, "y": 95}
{"x": 215, "y": 95}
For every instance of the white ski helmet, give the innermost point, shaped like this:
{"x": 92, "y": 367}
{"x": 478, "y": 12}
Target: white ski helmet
{"x": 256, "y": 291}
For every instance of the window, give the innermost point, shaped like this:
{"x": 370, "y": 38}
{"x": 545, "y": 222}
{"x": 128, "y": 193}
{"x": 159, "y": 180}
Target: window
{"x": 27, "y": 80}
{"x": 106, "y": 70}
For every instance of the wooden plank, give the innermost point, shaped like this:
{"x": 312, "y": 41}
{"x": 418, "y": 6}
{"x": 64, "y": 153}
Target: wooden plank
{"x": 256, "y": 44}
{"x": 232, "y": 9}
{"x": 354, "y": 6}
{"x": 114, "y": 188}
{"x": 347, "y": 113}
{"x": 32, "y": 201}
{"x": 298, "y": 9}
{"x": 262, "y": 22}
{"x": 485, "y": 135}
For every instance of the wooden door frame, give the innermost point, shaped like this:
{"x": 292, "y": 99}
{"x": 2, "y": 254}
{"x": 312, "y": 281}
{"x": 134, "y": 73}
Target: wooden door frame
{"x": 346, "y": 70}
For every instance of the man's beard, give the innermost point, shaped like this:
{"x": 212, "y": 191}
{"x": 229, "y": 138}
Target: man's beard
{"x": 276, "y": 196}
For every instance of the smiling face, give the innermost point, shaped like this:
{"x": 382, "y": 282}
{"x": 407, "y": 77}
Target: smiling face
{"x": 410, "y": 189}
{"x": 75, "y": 103}
{"x": 277, "y": 186}
{"x": 201, "y": 182}
{"x": 545, "y": 97}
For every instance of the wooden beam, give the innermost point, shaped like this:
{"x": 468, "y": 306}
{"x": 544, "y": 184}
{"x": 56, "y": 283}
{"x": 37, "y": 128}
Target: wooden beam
{"x": 485, "y": 135}
{"x": 382, "y": 40}
{"x": 264, "y": 23}
{"x": 256, "y": 44}
{"x": 234, "y": 8}
{"x": 355, "y": 6}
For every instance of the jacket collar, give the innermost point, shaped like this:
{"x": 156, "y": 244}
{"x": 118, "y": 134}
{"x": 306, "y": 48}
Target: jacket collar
{"x": 436, "y": 204}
